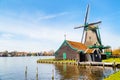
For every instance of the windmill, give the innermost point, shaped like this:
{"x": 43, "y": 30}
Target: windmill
{"x": 91, "y": 38}
{"x": 91, "y": 34}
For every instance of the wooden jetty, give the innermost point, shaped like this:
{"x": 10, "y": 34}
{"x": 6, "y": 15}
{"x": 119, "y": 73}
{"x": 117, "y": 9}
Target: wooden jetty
{"x": 104, "y": 64}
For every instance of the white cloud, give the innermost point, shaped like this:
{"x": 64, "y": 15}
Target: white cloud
{"x": 38, "y": 40}
{"x": 6, "y": 36}
{"x": 41, "y": 36}
{"x": 44, "y": 17}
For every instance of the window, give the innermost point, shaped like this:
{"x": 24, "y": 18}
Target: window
{"x": 90, "y": 38}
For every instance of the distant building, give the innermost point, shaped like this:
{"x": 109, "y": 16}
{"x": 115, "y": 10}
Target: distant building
{"x": 21, "y": 53}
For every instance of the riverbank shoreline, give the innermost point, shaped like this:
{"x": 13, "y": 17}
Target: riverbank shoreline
{"x": 73, "y": 62}
{"x": 53, "y": 61}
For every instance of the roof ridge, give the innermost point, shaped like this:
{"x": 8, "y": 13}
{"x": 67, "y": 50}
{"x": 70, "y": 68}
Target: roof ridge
{"x": 74, "y": 41}
{"x": 77, "y": 45}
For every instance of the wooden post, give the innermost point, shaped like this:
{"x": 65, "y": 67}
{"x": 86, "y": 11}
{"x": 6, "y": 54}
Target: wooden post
{"x": 77, "y": 62}
{"x": 103, "y": 65}
{"x": 37, "y": 73}
{"x": 114, "y": 64}
{"x": 84, "y": 64}
{"x": 90, "y": 65}
{"x": 26, "y": 73}
{"x": 53, "y": 74}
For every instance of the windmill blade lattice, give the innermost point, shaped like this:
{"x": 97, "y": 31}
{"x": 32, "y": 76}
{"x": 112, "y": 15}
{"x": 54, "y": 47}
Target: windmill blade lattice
{"x": 85, "y": 23}
{"x": 95, "y": 23}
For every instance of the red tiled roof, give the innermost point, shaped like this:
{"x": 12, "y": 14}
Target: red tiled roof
{"x": 77, "y": 45}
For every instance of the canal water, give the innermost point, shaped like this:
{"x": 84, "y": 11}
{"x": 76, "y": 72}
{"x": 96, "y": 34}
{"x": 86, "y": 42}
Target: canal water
{"x": 13, "y": 68}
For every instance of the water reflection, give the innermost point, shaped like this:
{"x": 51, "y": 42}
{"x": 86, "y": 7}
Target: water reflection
{"x": 26, "y": 73}
{"x": 37, "y": 73}
{"x": 82, "y": 73}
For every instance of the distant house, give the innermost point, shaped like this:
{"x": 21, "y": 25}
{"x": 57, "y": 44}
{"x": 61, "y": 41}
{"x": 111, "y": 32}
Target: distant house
{"x": 77, "y": 51}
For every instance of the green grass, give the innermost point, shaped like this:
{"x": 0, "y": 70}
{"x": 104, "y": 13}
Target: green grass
{"x": 117, "y": 60}
{"x": 115, "y": 76}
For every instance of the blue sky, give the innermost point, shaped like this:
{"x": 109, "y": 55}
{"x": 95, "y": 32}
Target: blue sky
{"x": 38, "y": 25}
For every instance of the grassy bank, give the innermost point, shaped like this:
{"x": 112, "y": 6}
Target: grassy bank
{"x": 117, "y": 60}
{"x": 115, "y": 76}
{"x": 55, "y": 61}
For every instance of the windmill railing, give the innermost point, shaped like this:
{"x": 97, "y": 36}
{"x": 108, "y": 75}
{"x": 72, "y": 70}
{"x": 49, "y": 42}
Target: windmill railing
{"x": 99, "y": 46}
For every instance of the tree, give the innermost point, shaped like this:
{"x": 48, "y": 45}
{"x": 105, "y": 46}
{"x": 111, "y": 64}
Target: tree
{"x": 5, "y": 53}
{"x": 45, "y": 53}
{"x": 116, "y": 52}
{"x": 51, "y": 52}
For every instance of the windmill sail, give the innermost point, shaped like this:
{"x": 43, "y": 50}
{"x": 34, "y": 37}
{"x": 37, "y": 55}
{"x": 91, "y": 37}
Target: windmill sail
{"x": 85, "y": 23}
